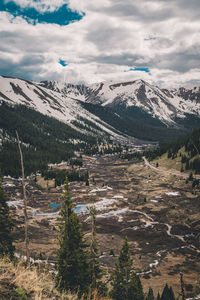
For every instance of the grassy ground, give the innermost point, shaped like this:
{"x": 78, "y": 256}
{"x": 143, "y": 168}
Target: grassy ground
{"x": 173, "y": 164}
{"x": 168, "y": 163}
{"x": 44, "y": 183}
{"x": 20, "y": 282}
{"x": 143, "y": 189}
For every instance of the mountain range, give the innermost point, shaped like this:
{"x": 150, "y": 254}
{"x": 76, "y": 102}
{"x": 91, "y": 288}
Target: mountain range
{"x": 162, "y": 104}
{"x": 117, "y": 109}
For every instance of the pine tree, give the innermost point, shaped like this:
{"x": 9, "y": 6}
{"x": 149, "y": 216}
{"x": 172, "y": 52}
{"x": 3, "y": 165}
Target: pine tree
{"x": 150, "y": 295}
{"x": 167, "y": 293}
{"x": 158, "y": 296}
{"x": 96, "y": 271}
{"x": 6, "y": 239}
{"x": 72, "y": 258}
{"x": 125, "y": 283}
{"x": 171, "y": 294}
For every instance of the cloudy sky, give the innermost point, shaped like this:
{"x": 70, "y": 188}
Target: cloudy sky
{"x": 97, "y": 40}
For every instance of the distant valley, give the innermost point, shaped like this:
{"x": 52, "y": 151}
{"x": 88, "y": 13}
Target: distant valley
{"x": 98, "y": 136}
{"x": 53, "y": 117}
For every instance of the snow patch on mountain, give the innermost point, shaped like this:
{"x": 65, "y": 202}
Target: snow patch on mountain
{"x": 63, "y": 101}
{"x": 161, "y": 104}
{"x": 52, "y": 103}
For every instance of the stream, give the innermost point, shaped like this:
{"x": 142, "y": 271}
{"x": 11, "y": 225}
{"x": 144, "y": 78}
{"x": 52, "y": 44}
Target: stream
{"x": 102, "y": 206}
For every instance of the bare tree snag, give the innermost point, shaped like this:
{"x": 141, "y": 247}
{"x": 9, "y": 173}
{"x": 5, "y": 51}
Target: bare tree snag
{"x": 92, "y": 212}
{"x": 25, "y": 203}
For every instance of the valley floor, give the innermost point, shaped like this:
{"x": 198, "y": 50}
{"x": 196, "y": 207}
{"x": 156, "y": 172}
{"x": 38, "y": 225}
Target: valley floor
{"x": 158, "y": 212}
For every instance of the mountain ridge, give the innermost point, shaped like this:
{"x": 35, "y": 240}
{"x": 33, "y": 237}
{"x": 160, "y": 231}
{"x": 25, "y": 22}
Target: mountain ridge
{"x": 132, "y": 108}
{"x": 16, "y": 91}
{"x": 163, "y": 104}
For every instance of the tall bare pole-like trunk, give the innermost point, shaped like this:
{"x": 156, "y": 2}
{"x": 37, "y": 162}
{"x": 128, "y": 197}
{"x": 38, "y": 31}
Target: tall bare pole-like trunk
{"x": 25, "y": 203}
{"x": 92, "y": 212}
{"x": 182, "y": 287}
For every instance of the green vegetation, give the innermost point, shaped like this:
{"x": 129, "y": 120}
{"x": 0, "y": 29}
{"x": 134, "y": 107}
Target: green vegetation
{"x": 104, "y": 149}
{"x": 6, "y": 224}
{"x": 125, "y": 283}
{"x": 167, "y": 293}
{"x": 60, "y": 175}
{"x": 44, "y": 140}
{"x": 95, "y": 267}
{"x": 79, "y": 272}
{"x": 73, "y": 261}
{"x": 136, "y": 123}
{"x": 21, "y": 293}
{"x": 158, "y": 296}
{"x": 187, "y": 149}
{"x": 150, "y": 295}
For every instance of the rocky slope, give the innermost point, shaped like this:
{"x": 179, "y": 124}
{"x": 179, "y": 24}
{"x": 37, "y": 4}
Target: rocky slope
{"x": 162, "y": 104}
{"x": 54, "y": 104}
{"x": 133, "y": 108}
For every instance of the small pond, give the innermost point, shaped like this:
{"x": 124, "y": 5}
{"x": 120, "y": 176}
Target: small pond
{"x": 79, "y": 209}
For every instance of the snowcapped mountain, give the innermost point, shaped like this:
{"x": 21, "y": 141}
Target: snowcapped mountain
{"x": 162, "y": 104}
{"x": 63, "y": 104}
{"x": 192, "y": 94}
{"x": 118, "y": 109}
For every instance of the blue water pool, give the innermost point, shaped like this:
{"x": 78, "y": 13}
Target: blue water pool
{"x": 55, "y": 205}
{"x": 81, "y": 208}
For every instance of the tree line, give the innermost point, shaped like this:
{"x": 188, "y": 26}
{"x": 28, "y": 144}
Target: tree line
{"x": 60, "y": 175}
{"x": 135, "y": 122}
{"x": 44, "y": 140}
{"x": 186, "y": 148}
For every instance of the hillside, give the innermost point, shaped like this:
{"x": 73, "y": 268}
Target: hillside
{"x": 183, "y": 154}
{"x": 19, "y": 282}
{"x": 45, "y": 140}
{"x": 169, "y": 107}
{"x": 135, "y": 108}
{"x": 135, "y": 123}
{"x": 16, "y": 91}
{"x": 54, "y": 120}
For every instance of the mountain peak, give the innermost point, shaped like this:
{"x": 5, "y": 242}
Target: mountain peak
{"x": 138, "y": 95}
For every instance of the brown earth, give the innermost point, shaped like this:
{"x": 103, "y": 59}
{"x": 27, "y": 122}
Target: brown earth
{"x": 158, "y": 212}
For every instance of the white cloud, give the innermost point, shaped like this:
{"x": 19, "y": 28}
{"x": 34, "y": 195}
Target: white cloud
{"x": 40, "y": 5}
{"x": 163, "y": 36}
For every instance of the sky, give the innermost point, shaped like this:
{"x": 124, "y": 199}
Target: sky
{"x": 90, "y": 41}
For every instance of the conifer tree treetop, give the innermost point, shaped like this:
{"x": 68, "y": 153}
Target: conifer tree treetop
{"x": 72, "y": 258}
{"x": 125, "y": 283}
{"x": 6, "y": 239}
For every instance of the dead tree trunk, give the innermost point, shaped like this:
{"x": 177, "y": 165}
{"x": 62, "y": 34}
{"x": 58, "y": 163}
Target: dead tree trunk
{"x": 92, "y": 212}
{"x": 25, "y": 203}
